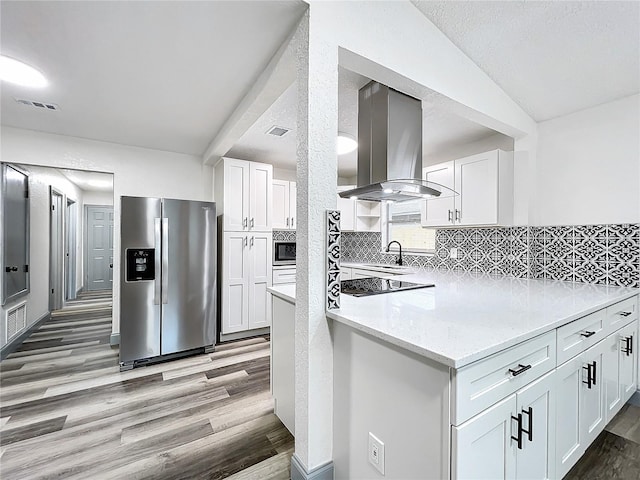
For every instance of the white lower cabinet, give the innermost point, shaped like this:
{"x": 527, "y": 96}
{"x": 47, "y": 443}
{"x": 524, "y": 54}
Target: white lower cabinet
{"x": 580, "y": 406}
{"x": 628, "y": 355}
{"x": 513, "y": 439}
{"x": 482, "y": 446}
{"x": 246, "y": 274}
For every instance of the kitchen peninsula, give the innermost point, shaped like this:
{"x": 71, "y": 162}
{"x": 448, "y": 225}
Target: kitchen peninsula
{"x": 447, "y": 376}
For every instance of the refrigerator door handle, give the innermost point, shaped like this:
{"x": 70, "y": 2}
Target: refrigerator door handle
{"x": 158, "y": 246}
{"x": 165, "y": 260}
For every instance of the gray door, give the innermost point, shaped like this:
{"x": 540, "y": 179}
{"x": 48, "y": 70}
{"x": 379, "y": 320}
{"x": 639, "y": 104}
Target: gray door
{"x": 70, "y": 250}
{"x": 15, "y": 197}
{"x": 56, "y": 250}
{"x": 189, "y": 275}
{"x": 139, "y": 297}
{"x": 99, "y": 248}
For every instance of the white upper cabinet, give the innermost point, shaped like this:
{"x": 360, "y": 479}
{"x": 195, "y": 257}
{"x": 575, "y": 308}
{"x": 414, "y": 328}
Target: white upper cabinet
{"x": 284, "y": 205}
{"x": 243, "y": 192}
{"x": 358, "y": 215}
{"x": 484, "y": 183}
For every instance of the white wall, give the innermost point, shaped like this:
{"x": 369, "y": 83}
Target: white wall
{"x": 137, "y": 171}
{"x": 92, "y": 197}
{"x": 37, "y": 300}
{"x": 485, "y": 144}
{"x": 588, "y": 166}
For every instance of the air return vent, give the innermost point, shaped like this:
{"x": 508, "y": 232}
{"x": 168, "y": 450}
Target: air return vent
{"x": 278, "y": 131}
{"x": 16, "y": 320}
{"x": 42, "y": 105}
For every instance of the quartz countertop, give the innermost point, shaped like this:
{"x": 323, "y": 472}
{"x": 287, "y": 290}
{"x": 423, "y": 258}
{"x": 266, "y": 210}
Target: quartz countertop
{"x": 465, "y": 318}
{"x": 286, "y": 292}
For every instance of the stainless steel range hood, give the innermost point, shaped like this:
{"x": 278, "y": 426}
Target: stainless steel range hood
{"x": 390, "y": 148}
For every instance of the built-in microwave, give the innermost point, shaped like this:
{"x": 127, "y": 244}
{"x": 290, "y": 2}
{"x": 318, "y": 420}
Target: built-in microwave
{"x": 284, "y": 253}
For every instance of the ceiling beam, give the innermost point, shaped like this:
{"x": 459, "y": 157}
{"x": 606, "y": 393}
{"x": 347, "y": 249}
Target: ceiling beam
{"x": 278, "y": 76}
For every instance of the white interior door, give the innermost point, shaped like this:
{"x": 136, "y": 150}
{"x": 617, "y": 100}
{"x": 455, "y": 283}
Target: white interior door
{"x": 99, "y": 247}
{"x": 70, "y": 250}
{"x": 56, "y": 250}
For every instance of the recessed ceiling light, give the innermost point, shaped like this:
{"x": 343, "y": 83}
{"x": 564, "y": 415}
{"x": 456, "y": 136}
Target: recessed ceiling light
{"x": 346, "y": 144}
{"x": 14, "y": 71}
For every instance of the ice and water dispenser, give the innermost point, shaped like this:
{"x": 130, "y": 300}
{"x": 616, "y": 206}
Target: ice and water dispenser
{"x": 141, "y": 264}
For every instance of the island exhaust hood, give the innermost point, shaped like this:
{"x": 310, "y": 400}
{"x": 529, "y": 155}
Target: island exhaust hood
{"x": 390, "y": 148}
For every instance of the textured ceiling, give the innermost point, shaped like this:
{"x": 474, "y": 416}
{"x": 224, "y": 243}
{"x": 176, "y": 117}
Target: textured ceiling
{"x": 163, "y": 75}
{"x": 441, "y": 129}
{"x": 551, "y": 57}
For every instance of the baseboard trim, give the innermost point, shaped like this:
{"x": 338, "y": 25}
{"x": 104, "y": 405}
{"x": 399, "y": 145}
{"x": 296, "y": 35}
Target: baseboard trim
{"x": 114, "y": 339}
{"x": 16, "y": 342}
{"x": 258, "y": 332}
{"x": 298, "y": 472}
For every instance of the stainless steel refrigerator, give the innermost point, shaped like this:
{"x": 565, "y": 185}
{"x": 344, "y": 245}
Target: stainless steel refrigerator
{"x": 167, "y": 279}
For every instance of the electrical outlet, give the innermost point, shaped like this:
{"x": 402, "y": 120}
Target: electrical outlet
{"x": 376, "y": 453}
{"x": 453, "y": 253}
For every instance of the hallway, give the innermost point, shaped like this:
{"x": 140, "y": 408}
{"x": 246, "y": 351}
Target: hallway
{"x": 67, "y": 411}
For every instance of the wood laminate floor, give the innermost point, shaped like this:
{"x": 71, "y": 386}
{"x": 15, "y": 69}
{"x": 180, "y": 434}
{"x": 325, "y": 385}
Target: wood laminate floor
{"x": 66, "y": 411}
{"x": 615, "y": 454}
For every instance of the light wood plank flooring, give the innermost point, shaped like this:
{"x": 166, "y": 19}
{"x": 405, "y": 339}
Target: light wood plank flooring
{"x": 67, "y": 412}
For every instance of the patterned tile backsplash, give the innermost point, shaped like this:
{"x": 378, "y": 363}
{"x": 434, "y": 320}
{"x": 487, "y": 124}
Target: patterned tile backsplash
{"x": 601, "y": 254}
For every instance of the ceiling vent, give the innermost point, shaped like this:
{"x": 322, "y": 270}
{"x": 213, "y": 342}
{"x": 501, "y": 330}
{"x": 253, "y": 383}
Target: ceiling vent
{"x": 278, "y": 131}
{"x": 43, "y": 105}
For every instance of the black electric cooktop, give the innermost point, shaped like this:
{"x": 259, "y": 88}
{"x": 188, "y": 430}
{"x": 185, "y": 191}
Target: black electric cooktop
{"x": 363, "y": 287}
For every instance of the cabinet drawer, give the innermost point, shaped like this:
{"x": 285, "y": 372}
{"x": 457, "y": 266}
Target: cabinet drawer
{"x": 483, "y": 383}
{"x": 284, "y": 276}
{"x": 621, "y": 313}
{"x": 577, "y": 336}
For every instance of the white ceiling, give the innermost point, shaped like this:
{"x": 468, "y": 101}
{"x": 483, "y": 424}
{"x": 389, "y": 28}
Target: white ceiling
{"x": 89, "y": 181}
{"x": 163, "y": 75}
{"x": 441, "y": 129}
{"x": 551, "y": 57}
{"x": 167, "y": 75}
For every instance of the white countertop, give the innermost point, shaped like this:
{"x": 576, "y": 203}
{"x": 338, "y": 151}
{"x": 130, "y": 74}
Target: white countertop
{"x": 463, "y": 319}
{"x": 286, "y": 292}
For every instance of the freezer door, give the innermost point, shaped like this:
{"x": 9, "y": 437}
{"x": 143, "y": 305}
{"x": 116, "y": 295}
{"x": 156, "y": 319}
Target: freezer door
{"x": 140, "y": 301}
{"x": 189, "y": 275}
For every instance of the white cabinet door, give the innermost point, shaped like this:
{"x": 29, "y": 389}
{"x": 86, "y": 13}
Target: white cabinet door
{"x": 235, "y": 283}
{"x": 568, "y": 445}
{"x": 293, "y": 191}
{"x": 261, "y": 187}
{"x": 260, "y": 277}
{"x": 347, "y": 209}
{"x": 482, "y": 447}
{"x": 536, "y": 403}
{"x": 476, "y": 179}
{"x": 592, "y": 412}
{"x": 236, "y": 195}
{"x": 280, "y": 218}
{"x": 628, "y": 360}
{"x": 439, "y": 211}
{"x": 611, "y": 375}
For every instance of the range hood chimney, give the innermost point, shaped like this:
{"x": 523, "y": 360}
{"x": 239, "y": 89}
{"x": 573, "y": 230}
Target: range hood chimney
{"x": 390, "y": 148}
